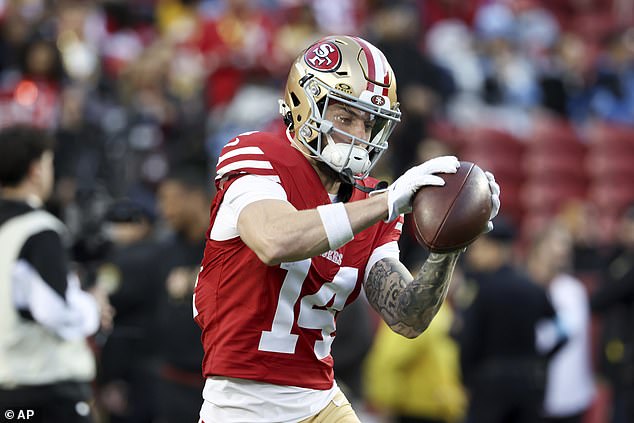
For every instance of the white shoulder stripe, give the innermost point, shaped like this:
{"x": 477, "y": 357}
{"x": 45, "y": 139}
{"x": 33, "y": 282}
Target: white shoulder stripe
{"x": 255, "y": 164}
{"x": 234, "y": 142}
{"x": 273, "y": 178}
{"x": 238, "y": 151}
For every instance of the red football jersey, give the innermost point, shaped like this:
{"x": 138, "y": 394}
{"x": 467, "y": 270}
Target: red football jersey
{"x": 276, "y": 324}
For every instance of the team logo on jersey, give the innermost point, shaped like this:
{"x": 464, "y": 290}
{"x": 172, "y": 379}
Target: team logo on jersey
{"x": 324, "y": 56}
{"x": 378, "y": 100}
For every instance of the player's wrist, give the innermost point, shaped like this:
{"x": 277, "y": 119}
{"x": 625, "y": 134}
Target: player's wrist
{"x": 336, "y": 223}
{"x": 383, "y": 197}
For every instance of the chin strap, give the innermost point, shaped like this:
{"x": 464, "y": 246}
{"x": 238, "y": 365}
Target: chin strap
{"x": 347, "y": 177}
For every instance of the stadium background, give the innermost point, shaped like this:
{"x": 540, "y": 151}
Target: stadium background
{"x": 539, "y": 92}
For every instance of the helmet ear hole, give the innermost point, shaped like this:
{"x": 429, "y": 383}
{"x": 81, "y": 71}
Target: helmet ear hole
{"x": 295, "y": 100}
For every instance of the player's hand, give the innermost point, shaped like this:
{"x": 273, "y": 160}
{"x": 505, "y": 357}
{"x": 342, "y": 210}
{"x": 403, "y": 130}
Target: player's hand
{"x": 495, "y": 200}
{"x": 401, "y": 192}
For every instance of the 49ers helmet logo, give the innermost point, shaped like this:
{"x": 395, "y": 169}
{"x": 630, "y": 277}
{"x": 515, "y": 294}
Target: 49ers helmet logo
{"x": 377, "y": 100}
{"x": 323, "y": 56}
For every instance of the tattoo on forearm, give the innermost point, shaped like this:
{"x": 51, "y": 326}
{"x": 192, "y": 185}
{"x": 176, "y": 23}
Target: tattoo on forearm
{"x": 409, "y": 304}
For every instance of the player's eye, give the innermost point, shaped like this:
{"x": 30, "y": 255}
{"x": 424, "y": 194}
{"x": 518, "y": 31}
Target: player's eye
{"x": 344, "y": 119}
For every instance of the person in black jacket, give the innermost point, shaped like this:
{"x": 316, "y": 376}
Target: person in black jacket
{"x": 503, "y": 360}
{"x": 614, "y": 300}
{"x": 126, "y": 378}
{"x": 183, "y": 202}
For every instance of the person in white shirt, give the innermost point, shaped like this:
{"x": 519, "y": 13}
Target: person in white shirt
{"x": 570, "y": 385}
{"x": 46, "y": 365}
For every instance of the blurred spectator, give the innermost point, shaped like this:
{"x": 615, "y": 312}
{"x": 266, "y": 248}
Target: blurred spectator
{"x": 340, "y": 17}
{"x": 127, "y": 361}
{"x": 615, "y": 301}
{"x": 33, "y": 91}
{"x": 162, "y": 124}
{"x": 298, "y": 28}
{"x": 424, "y": 86}
{"x": 45, "y": 361}
{"x": 570, "y": 386}
{"x": 504, "y": 340}
{"x": 578, "y": 217}
{"x": 434, "y": 11}
{"x": 80, "y": 149}
{"x": 81, "y": 30}
{"x": 418, "y": 380}
{"x": 565, "y": 79}
{"x": 15, "y": 30}
{"x": 510, "y": 86}
{"x": 184, "y": 198}
{"x": 463, "y": 62}
{"x": 238, "y": 45}
{"x": 613, "y": 97}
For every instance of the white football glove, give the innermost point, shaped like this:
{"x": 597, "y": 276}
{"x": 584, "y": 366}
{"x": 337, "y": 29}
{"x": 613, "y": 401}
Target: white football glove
{"x": 495, "y": 199}
{"x": 401, "y": 192}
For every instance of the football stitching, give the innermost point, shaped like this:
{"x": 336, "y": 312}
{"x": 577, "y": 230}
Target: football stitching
{"x": 442, "y": 224}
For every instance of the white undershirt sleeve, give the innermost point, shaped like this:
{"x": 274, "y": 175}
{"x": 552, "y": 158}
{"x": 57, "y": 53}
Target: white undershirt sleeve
{"x": 241, "y": 193}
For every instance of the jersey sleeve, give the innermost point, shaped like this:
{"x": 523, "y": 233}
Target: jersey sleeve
{"x": 245, "y": 154}
{"x": 389, "y": 232}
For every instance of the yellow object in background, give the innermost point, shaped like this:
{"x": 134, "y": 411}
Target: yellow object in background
{"x": 417, "y": 377}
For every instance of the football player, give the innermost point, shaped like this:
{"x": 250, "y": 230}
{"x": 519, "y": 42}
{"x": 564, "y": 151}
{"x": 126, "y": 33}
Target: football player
{"x": 297, "y": 228}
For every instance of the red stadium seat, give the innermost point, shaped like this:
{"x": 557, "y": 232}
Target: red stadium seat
{"x": 545, "y": 165}
{"x": 594, "y": 27}
{"x": 547, "y": 196}
{"x": 608, "y": 133}
{"x": 493, "y": 141}
{"x": 496, "y": 151}
{"x": 605, "y": 164}
{"x": 447, "y": 133}
{"x": 553, "y": 132}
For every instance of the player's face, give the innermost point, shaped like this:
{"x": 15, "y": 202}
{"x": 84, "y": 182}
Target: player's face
{"x": 350, "y": 120}
{"x": 173, "y": 204}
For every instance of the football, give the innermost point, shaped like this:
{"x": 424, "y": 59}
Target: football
{"x": 452, "y": 216}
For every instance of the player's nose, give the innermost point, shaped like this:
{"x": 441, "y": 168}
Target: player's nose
{"x": 359, "y": 129}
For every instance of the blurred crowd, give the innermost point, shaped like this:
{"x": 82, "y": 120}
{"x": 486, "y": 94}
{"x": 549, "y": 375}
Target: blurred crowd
{"x": 141, "y": 95}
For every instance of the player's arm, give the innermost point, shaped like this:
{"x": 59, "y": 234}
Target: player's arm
{"x": 277, "y": 232}
{"x": 406, "y": 303}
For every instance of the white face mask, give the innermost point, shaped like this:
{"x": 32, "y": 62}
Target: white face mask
{"x": 343, "y": 155}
